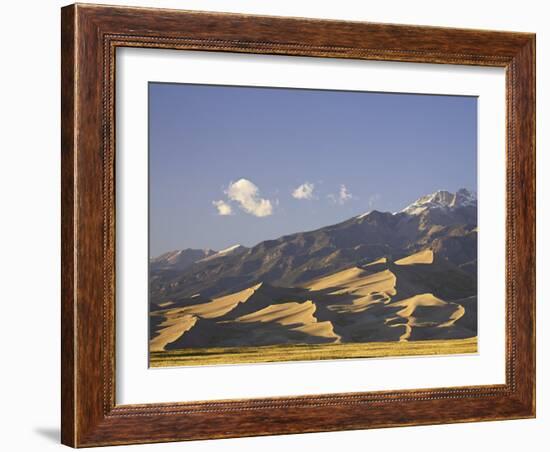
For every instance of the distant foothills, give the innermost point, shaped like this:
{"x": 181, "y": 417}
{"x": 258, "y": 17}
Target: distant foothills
{"x": 379, "y": 276}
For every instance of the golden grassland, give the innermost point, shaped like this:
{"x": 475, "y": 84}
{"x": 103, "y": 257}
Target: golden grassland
{"x": 306, "y": 352}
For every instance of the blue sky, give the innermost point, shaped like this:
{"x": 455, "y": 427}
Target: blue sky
{"x": 232, "y": 165}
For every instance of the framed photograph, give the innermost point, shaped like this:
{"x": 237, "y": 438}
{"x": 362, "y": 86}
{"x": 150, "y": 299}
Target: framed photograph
{"x": 281, "y": 225}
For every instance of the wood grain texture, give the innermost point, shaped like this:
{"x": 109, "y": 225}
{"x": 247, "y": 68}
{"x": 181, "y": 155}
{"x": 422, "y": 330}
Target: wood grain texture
{"x": 67, "y": 225}
{"x": 90, "y": 36}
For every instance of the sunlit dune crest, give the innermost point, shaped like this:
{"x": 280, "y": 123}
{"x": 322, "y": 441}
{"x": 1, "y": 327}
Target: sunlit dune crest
{"x": 285, "y": 314}
{"x": 355, "y": 279}
{"x": 298, "y": 315}
{"x": 422, "y": 257}
{"x": 218, "y": 306}
{"x": 409, "y": 305}
{"x": 382, "y": 260}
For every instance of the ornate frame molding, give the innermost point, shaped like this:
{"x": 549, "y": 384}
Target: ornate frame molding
{"x": 90, "y": 36}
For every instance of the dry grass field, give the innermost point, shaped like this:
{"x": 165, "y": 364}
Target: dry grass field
{"x": 307, "y": 352}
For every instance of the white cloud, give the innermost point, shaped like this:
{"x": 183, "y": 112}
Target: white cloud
{"x": 342, "y": 197}
{"x": 248, "y": 196}
{"x": 223, "y": 207}
{"x": 304, "y": 191}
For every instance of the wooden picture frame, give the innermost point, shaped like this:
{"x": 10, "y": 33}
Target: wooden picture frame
{"x": 90, "y": 36}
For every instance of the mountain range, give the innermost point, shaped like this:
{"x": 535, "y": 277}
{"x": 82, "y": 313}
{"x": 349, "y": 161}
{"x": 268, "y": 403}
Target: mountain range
{"x": 379, "y": 276}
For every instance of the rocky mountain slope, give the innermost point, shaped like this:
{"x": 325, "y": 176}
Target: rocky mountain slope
{"x": 443, "y": 222}
{"x": 179, "y": 259}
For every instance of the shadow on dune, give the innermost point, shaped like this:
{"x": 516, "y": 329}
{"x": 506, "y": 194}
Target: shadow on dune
{"x": 212, "y": 333}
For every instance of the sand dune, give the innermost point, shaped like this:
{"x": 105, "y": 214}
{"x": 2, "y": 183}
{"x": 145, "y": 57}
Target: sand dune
{"x": 422, "y": 257}
{"x": 180, "y": 320}
{"x": 425, "y": 310}
{"x": 363, "y": 288}
{"x": 285, "y": 314}
{"x": 172, "y": 329}
{"x": 319, "y": 329}
{"x": 218, "y": 306}
{"x": 360, "y": 304}
{"x": 300, "y": 316}
{"x": 381, "y": 301}
{"x": 335, "y": 280}
{"x": 410, "y": 305}
{"x": 355, "y": 280}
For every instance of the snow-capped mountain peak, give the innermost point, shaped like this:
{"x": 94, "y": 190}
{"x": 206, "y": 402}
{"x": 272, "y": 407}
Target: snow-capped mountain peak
{"x": 235, "y": 249}
{"x": 229, "y": 249}
{"x": 442, "y": 199}
{"x": 363, "y": 215}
